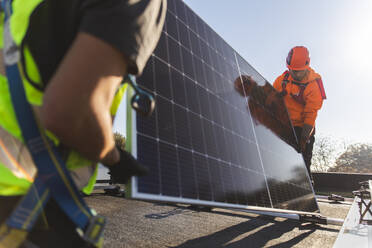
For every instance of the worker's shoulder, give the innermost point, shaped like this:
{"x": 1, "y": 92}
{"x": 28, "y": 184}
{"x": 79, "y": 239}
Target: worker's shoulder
{"x": 285, "y": 73}
{"x": 281, "y": 76}
{"x": 314, "y": 75}
{"x": 313, "y": 87}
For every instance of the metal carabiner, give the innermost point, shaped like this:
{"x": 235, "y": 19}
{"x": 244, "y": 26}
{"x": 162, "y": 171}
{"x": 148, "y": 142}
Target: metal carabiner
{"x": 142, "y": 101}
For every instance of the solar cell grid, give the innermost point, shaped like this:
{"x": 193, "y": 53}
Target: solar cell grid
{"x": 204, "y": 144}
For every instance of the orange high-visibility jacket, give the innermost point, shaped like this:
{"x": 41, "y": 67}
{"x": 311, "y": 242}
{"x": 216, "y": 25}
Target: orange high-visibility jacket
{"x": 302, "y": 114}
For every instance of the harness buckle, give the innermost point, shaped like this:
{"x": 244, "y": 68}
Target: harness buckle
{"x": 94, "y": 230}
{"x": 11, "y": 237}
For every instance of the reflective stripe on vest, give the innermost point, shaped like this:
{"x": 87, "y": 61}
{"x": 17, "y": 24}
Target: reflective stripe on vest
{"x": 16, "y": 157}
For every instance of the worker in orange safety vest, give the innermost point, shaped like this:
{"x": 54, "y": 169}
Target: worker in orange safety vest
{"x": 303, "y": 92}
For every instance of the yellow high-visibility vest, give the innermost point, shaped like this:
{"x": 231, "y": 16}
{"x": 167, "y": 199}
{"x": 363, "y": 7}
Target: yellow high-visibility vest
{"x": 17, "y": 170}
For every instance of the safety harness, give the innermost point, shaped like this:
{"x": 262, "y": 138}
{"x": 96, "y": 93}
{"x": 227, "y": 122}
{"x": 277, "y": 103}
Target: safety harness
{"x": 53, "y": 180}
{"x": 299, "y": 97}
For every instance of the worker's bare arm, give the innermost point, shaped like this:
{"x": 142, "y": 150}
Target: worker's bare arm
{"x": 78, "y": 98}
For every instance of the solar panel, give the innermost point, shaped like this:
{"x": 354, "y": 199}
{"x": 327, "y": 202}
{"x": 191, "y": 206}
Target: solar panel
{"x": 206, "y": 143}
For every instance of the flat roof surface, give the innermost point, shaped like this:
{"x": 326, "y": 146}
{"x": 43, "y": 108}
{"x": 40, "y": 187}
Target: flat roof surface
{"x": 132, "y": 223}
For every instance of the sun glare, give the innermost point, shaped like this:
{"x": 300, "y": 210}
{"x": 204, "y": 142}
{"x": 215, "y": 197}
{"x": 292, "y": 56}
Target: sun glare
{"x": 359, "y": 40}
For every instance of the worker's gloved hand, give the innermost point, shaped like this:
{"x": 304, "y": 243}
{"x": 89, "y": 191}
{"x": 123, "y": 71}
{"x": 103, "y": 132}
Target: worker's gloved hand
{"x": 305, "y": 136}
{"x": 244, "y": 84}
{"x": 127, "y": 167}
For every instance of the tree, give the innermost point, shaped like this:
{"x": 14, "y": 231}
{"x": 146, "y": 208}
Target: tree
{"x": 356, "y": 159}
{"x": 119, "y": 140}
{"x": 326, "y": 150}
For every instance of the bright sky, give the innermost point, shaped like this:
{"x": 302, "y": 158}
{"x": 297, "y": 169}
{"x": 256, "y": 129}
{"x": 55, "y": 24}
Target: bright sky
{"x": 338, "y": 34}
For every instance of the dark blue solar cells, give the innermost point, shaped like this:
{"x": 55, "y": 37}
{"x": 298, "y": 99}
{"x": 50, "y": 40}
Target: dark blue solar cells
{"x": 208, "y": 142}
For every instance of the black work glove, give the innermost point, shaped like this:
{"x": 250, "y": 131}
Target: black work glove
{"x": 127, "y": 167}
{"x": 305, "y": 136}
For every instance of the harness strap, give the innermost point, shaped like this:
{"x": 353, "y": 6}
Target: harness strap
{"x": 53, "y": 178}
{"x": 300, "y": 96}
{"x": 321, "y": 88}
{"x": 284, "y": 84}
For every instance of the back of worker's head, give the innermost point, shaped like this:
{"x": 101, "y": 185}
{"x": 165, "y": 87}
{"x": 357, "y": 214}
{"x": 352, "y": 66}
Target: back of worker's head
{"x": 298, "y": 58}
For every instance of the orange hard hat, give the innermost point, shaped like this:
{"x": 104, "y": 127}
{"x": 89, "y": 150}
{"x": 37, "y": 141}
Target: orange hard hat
{"x": 298, "y": 58}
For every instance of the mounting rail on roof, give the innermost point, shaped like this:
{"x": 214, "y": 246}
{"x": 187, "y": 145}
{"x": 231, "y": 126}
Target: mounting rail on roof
{"x": 295, "y": 215}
